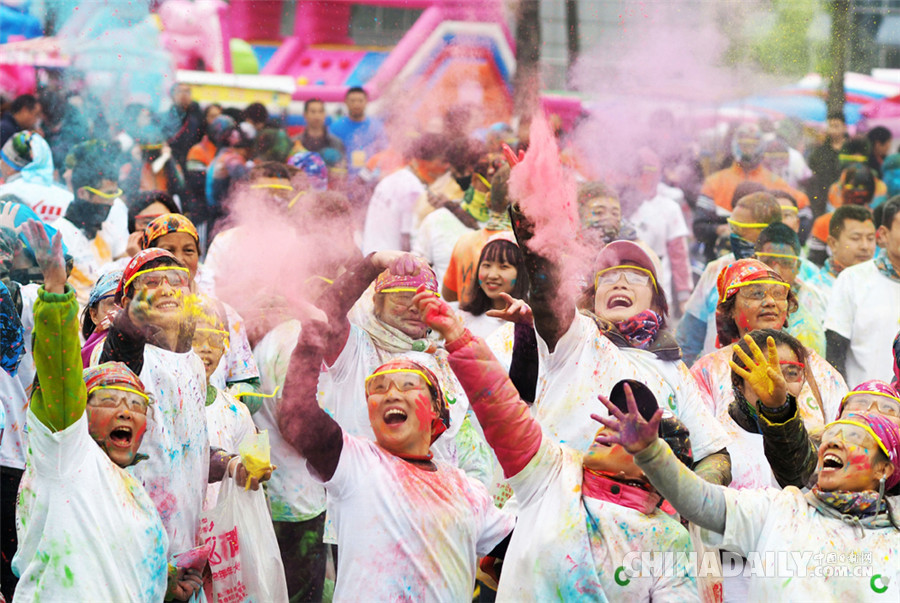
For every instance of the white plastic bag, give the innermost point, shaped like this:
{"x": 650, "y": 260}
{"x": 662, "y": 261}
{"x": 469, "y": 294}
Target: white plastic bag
{"x": 245, "y": 560}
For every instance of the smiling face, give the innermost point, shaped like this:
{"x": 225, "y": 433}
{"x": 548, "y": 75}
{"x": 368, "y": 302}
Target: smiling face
{"x": 166, "y": 290}
{"x": 117, "y": 420}
{"x": 184, "y": 247}
{"x": 601, "y": 212}
{"x": 210, "y": 343}
{"x": 496, "y": 277}
{"x": 760, "y": 306}
{"x": 401, "y": 410}
{"x": 621, "y": 293}
{"x": 397, "y": 310}
{"x": 863, "y": 403}
{"x": 850, "y": 459}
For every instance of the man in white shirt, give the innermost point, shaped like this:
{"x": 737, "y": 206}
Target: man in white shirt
{"x": 864, "y": 310}
{"x": 389, "y": 219}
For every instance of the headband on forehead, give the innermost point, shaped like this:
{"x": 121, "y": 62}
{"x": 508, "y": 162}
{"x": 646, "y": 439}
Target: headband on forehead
{"x": 743, "y": 272}
{"x": 390, "y": 283}
{"x": 886, "y": 435}
{"x": 440, "y": 423}
{"x": 113, "y": 375}
{"x": 137, "y": 263}
{"x": 167, "y": 224}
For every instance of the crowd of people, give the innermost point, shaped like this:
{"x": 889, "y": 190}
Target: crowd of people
{"x": 484, "y": 367}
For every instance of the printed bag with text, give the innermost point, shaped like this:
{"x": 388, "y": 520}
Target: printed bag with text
{"x": 245, "y": 561}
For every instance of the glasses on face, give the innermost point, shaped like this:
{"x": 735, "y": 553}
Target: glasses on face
{"x": 214, "y": 338}
{"x": 781, "y": 259}
{"x": 634, "y": 275}
{"x": 404, "y": 380}
{"x": 852, "y": 432}
{"x": 103, "y": 195}
{"x": 153, "y": 278}
{"x": 884, "y": 405}
{"x": 759, "y": 292}
{"x": 109, "y": 399}
{"x": 792, "y": 371}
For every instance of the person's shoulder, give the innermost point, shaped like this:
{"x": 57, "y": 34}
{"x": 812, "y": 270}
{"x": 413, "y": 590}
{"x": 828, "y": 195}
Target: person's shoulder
{"x": 863, "y": 270}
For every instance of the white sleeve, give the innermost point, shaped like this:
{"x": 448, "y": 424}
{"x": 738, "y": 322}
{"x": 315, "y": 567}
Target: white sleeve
{"x": 746, "y": 516}
{"x": 535, "y": 479}
{"x": 581, "y": 332}
{"x": 58, "y": 454}
{"x": 359, "y": 461}
{"x": 495, "y": 524}
{"x": 343, "y": 366}
{"x": 839, "y": 316}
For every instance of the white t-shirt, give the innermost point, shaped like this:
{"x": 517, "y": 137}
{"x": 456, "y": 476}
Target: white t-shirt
{"x": 48, "y": 202}
{"x": 865, "y": 308}
{"x": 436, "y": 237}
{"x": 407, "y": 533}
{"x": 238, "y": 363}
{"x": 585, "y": 363}
{"x": 292, "y": 492}
{"x": 568, "y": 546}
{"x": 176, "y": 441}
{"x": 783, "y": 522}
{"x": 749, "y": 467}
{"x": 228, "y": 423}
{"x": 390, "y": 213}
{"x": 87, "y": 529}
{"x": 481, "y": 326}
{"x": 658, "y": 221}
{"x": 16, "y": 391}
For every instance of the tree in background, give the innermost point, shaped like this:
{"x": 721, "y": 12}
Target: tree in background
{"x": 526, "y": 82}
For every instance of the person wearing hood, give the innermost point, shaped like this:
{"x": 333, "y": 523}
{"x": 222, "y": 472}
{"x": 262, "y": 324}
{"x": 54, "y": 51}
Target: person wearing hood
{"x": 85, "y": 430}
{"x": 580, "y": 512}
{"x": 91, "y": 239}
{"x": 714, "y": 203}
{"x": 844, "y": 519}
{"x": 616, "y": 330}
{"x": 26, "y": 169}
{"x": 751, "y": 297}
{"x": 408, "y": 525}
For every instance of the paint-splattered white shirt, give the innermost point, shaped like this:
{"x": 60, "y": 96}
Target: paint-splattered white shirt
{"x": 228, "y": 423}
{"x": 87, "y": 529}
{"x": 406, "y": 533}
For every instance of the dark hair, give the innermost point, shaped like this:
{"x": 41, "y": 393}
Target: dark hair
{"x": 727, "y": 329}
{"x": 860, "y": 213}
{"x": 94, "y": 162}
{"x": 506, "y": 252}
{"x": 879, "y": 134}
{"x": 889, "y": 211}
{"x": 359, "y": 89}
{"x": 154, "y": 263}
{"x": 464, "y": 153}
{"x": 208, "y": 108}
{"x": 763, "y": 206}
{"x": 427, "y": 147}
{"x": 256, "y": 112}
{"x": 858, "y": 145}
{"x": 779, "y": 234}
{"x": 836, "y": 115}
{"x": 24, "y": 101}
{"x": 145, "y": 199}
{"x": 593, "y": 189}
{"x": 860, "y": 174}
{"x": 312, "y": 101}
{"x": 784, "y": 195}
{"x": 272, "y": 144}
{"x": 760, "y": 337}
{"x": 270, "y": 169}
{"x": 747, "y": 187}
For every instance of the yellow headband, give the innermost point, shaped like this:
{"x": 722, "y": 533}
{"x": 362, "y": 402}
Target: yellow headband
{"x": 280, "y": 187}
{"x": 321, "y": 278}
{"x": 852, "y": 393}
{"x": 778, "y": 255}
{"x": 625, "y": 267}
{"x": 272, "y": 395}
{"x": 391, "y": 371}
{"x": 857, "y": 158}
{"x": 747, "y": 224}
{"x": 114, "y": 195}
{"x": 789, "y": 208}
{"x": 483, "y": 180}
{"x": 405, "y": 290}
{"x": 120, "y": 388}
{"x": 868, "y": 430}
{"x": 760, "y": 282}
{"x": 140, "y": 272}
{"x": 295, "y": 199}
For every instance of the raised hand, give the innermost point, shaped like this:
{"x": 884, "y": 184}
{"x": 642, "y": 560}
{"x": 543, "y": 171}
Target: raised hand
{"x": 48, "y": 254}
{"x": 438, "y": 315}
{"x": 630, "y": 430}
{"x": 516, "y": 310}
{"x": 511, "y": 158}
{"x": 400, "y": 263}
{"x": 8, "y": 213}
{"x": 763, "y": 376}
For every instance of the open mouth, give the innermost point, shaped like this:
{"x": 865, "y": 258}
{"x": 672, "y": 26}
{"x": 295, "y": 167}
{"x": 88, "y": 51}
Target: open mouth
{"x": 394, "y": 416}
{"x": 618, "y": 301}
{"x": 121, "y": 437}
{"x": 167, "y": 305}
{"x": 832, "y": 461}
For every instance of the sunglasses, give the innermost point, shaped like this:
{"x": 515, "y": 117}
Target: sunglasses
{"x": 380, "y": 383}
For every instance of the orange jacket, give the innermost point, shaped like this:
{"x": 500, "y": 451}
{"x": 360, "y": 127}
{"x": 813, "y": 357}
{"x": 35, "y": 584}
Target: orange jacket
{"x": 720, "y": 186}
